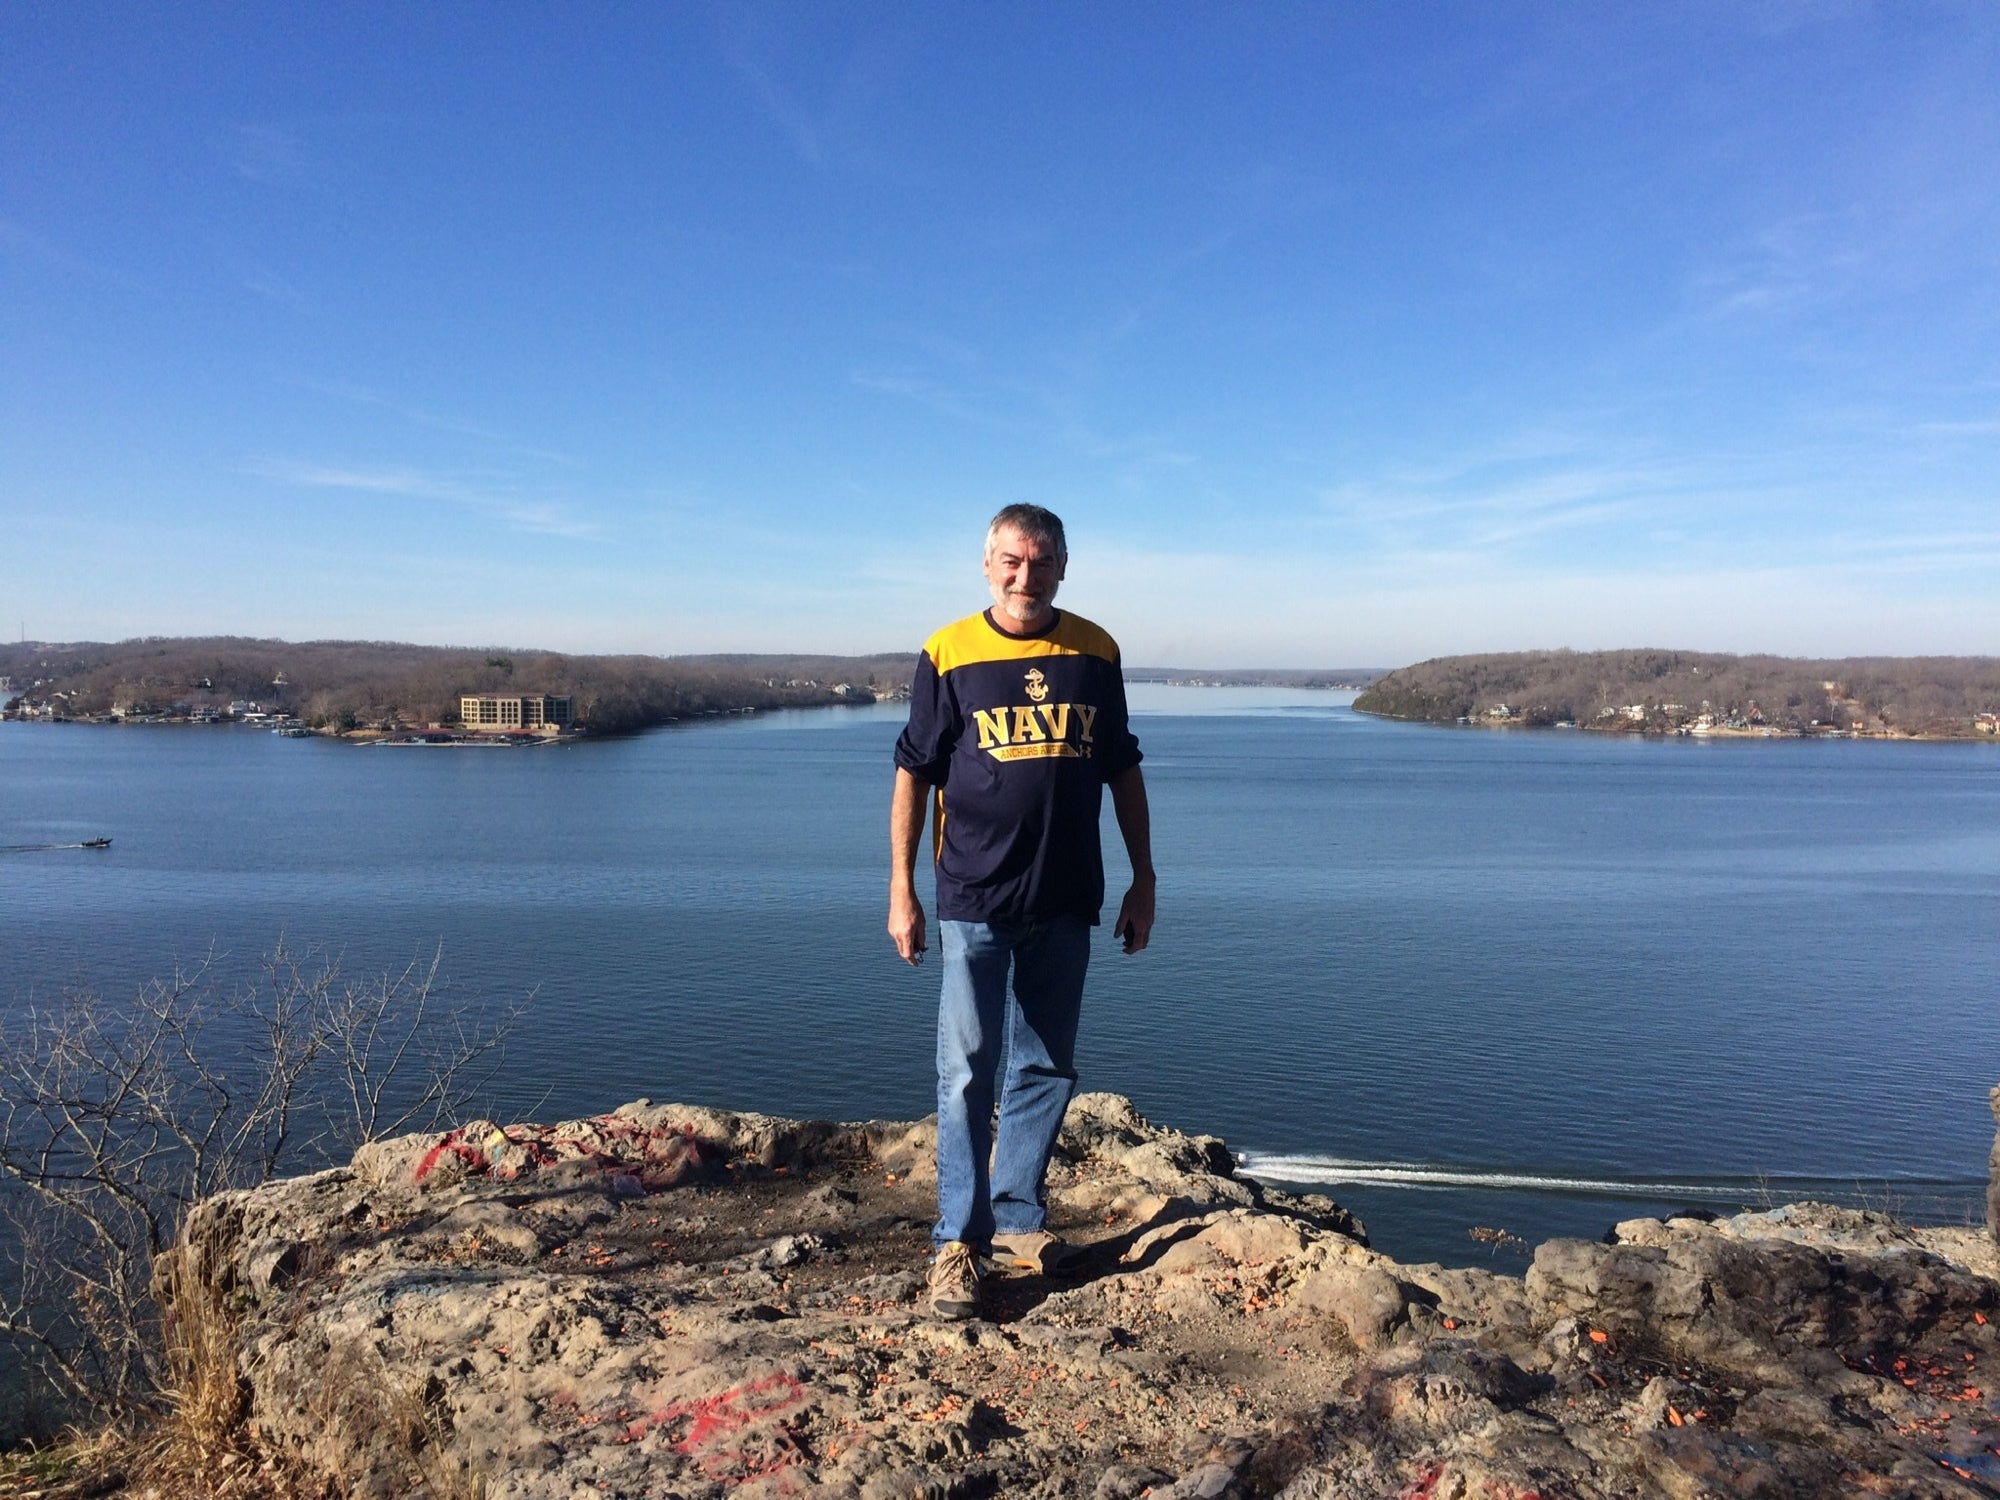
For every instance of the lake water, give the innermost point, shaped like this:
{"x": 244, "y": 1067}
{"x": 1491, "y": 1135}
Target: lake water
{"x": 1455, "y": 978}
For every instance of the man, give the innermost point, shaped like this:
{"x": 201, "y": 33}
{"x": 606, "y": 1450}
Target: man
{"x": 1017, "y": 724}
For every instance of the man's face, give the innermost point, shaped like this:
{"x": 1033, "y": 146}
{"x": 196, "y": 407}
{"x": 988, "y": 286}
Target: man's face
{"x": 1023, "y": 574}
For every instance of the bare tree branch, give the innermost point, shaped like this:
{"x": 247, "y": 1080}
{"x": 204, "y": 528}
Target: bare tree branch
{"x": 114, "y": 1120}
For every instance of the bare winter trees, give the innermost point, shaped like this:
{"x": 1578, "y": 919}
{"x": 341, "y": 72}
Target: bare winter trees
{"x": 349, "y": 683}
{"x": 115, "y": 1117}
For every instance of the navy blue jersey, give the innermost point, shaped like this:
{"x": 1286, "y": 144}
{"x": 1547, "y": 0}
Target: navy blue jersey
{"x": 1018, "y": 734}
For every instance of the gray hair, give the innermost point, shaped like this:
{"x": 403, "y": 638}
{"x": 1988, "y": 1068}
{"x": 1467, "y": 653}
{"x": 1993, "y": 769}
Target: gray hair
{"x": 1035, "y": 522}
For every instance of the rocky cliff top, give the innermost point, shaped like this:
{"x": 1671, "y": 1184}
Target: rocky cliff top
{"x": 676, "y": 1301}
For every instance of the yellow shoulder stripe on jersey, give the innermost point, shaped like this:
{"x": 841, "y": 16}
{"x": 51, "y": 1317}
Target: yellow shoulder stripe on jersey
{"x": 973, "y": 640}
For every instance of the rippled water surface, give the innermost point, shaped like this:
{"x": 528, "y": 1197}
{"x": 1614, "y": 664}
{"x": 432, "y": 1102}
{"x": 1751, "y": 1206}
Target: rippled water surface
{"x": 1537, "y": 982}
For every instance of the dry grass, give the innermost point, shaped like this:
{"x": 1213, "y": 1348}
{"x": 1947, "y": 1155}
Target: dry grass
{"x": 362, "y": 1404}
{"x": 195, "y": 1444}
{"x": 199, "y": 1447}
{"x": 204, "y": 1390}
{"x": 424, "y": 1431}
{"x": 74, "y": 1468}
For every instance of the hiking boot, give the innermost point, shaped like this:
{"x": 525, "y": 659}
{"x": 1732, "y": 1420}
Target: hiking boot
{"x": 1036, "y": 1250}
{"x": 955, "y": 1281}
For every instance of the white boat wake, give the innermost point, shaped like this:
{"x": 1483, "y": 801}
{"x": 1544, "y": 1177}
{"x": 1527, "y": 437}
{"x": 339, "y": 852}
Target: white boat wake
{"x": 1332, "y": 1171}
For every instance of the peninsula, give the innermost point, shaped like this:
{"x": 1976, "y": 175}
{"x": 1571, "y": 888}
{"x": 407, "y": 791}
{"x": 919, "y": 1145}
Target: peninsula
{"x": 1700, "y": 693}
{"x": 375, "y": 687}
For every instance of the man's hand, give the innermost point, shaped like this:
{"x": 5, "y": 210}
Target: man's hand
{"x": 1135, "y": 916}
{"x": 1135, "y": 823}
{"x": 906, "y": 925}
{"x": 906, "y": 827}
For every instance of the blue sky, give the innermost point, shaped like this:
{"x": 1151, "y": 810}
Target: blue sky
{"x": 1339, "y": 334}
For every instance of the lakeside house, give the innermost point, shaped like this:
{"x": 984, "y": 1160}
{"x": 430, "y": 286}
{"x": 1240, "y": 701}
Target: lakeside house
{"x": 508, "y": 711}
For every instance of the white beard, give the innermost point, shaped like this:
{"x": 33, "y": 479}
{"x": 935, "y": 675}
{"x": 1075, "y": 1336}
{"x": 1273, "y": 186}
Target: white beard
{"x": 1020, "y": 610}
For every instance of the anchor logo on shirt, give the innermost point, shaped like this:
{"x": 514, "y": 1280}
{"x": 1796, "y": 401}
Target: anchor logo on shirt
{"x": 1038, "y": 685}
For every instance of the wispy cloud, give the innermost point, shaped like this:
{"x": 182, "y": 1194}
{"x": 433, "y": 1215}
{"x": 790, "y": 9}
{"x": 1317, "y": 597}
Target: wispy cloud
{"x": 265, "y": 153}
{"x": 262, "y": 281}
{"x": 1043, "y": 413}
{"x": 1483, "y": 512}
{"x": 949, "y": 401}
{"x": 850, "y": 74}
{"x": 1057, "y": 392}
{"x": 791, "y": 118}
{"x": 1787, "y": 262}
{"x": 421, "y": 416}
{"x": 1315, "y": 607}
{"x": 1911, "y": 552}
{"x": 541, "y": 517}
{"x": 18, "y": 239}
{"x": 257, "y": 276}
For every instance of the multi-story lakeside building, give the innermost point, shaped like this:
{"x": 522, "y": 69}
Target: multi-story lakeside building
{"x": 502, "y": 711}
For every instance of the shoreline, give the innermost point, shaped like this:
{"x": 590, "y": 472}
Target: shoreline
{"x": 437, "y": 736}
{"x": 1691, "y": 733}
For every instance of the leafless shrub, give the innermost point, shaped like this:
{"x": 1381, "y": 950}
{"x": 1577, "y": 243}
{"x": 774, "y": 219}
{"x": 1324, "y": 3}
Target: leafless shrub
{"x": 392, "y": 1030}
{"x": 1498, "y": 1239}
{"x": 114, "y": 1119}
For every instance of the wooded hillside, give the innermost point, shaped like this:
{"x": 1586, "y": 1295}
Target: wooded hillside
{"x": 1659, "y": 691}
{"x": 346, "y": 683}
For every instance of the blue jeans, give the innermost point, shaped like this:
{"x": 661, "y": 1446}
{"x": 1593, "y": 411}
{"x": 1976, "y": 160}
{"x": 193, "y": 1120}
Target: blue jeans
{"x": 1037, "y": 1028}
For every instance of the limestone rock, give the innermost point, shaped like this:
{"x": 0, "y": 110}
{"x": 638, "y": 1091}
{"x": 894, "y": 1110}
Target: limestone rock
{"x": 1368, "y": 1303}
{"x": 1758, "y": 1307}
{"x": 703, "y": 1303}
{"x": 1993, "y": 1170}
